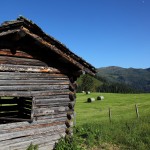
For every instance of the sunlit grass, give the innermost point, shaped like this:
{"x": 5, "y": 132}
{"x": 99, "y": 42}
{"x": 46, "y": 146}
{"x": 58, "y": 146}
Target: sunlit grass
{"x": 122, "y": 107}
{"x": 125, "y": 131}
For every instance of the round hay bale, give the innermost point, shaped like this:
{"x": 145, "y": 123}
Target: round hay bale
{"x": 100, "y": 97}
{"x": 83, "y": 91}
{"x": 87, "y": 92}
{"x": 89, "y": 100}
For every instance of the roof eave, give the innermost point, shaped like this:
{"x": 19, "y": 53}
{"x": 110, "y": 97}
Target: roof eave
{"x": 22, "y": 27}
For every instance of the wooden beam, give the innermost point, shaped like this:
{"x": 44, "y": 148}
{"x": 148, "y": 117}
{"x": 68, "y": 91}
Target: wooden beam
{"x": 21, "y": 61}
{"x": 23, "y": 68}
{"x": 17, "y": 53}
{"x": 15, "y": 119}
{"x": 32, "y": 75}
{"x": 33, "y": 87}
{"x": 72, "y": 96}
{"x": 33, "y": 82}
{"x": 34, "y": 93}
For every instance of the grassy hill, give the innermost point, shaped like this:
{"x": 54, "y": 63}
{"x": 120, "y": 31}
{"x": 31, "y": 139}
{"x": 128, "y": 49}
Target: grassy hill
{"x": 138, "y": 79}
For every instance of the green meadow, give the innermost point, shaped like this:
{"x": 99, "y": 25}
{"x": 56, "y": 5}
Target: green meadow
{"x": 95, "y": 131}
{"x": 122, "y": 107}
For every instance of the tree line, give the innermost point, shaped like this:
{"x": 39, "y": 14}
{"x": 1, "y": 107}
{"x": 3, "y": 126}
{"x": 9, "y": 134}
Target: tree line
{"x": 88, "y": 83}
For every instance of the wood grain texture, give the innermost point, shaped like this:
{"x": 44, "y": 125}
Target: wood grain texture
{"x": 21, "y": 61}
{"x": 42, "y": 118}
{"x": 14, "y": 53}
{"x": 24, "y": 68}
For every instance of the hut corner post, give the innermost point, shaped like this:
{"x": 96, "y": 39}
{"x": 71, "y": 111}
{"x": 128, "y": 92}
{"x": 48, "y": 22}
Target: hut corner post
{"x": 71, "y": 114}
{"x": 70, "y": 123}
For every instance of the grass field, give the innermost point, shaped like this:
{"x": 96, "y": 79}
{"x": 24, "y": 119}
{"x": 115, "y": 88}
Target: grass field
{"x": 122, "y": 107}
{"x": 94, "y": 131}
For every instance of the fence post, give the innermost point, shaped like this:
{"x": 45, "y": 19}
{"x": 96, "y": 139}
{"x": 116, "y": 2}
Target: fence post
{"x": 109, "y": 114}
{"x": 137, "y": 111}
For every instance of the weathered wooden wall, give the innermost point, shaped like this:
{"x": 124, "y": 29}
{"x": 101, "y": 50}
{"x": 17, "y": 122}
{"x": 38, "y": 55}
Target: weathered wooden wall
{"x": 53, "y": 98}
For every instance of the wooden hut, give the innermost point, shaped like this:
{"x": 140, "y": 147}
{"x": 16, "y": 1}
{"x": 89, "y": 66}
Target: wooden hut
{"x": 37, "y": 86}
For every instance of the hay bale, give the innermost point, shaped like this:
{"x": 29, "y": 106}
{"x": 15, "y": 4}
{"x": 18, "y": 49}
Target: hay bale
{"x": 89, "y": 100}
{"x": 83, "y": 91}
{"x": 100, "y": 97}
{"x": 87, "y": 92}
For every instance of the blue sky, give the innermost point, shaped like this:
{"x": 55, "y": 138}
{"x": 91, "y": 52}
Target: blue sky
{"x": 103, "y": 32}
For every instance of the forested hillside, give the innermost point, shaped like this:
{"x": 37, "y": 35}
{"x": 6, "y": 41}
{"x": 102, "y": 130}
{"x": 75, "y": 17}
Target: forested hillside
{"x": 100, "y": 84}
{"x": 116, "y": 80}
{"x": 88, "y": 83}
{"x": 138, "y": 79}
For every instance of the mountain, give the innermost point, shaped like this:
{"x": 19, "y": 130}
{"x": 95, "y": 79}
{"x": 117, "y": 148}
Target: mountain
{"x": 139, "y": 79}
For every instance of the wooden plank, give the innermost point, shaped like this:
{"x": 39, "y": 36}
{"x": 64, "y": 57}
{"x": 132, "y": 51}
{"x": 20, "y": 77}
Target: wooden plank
{"x": 11, "y": 78}
{"x": 18, "y": 53}
{"x": 24, "y": 125}
{"x": 29, "y": 132}
{"x": 56, "y": 104}
{"x": 15, "y": 119}
{"x": 25, "y": 77}
{"x": 34, "y": 75}
{"x": 42, "y": 141}
{"x": 43, "y": 112}
{"x": 29, "y": 138}
{"x": 21, "y": 61}
{"x": 32, "y": 125}
{"x": 9, "y": 32}
{"x": 52, "y": 96}
{"x": 52, "y": 100}
{"x": 33, "y": 82}
{"x": 54, "y": 115}
{"x": 33, "y": 87}
{"x": 23, "y": 68}
{"x": 61, "y": 117}
{"x": 33, "y": 93}
{"x": 49, "y": 110}
{"x": 52, "y": 109}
